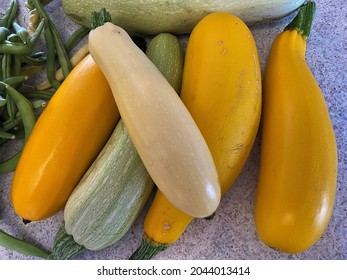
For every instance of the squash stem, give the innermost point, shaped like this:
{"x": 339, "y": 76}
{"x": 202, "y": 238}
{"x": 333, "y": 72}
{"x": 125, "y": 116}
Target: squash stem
{"x": 65, "y": 247}
{"x": 99, "y": 18}
{"x": 303, "y": 20}
{"x": 148, "y": 249}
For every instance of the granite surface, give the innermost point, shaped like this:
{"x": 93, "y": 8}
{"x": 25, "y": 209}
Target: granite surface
{"x": 231, "y": 233}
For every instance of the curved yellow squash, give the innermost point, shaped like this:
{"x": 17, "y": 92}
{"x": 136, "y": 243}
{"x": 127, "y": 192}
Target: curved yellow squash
{"x": 65, "y": 140}
{"x": 298, "y": 169}
{"x": 221, "y": 88}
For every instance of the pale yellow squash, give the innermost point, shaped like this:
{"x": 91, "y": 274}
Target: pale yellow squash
{"x": 164, "y": 133}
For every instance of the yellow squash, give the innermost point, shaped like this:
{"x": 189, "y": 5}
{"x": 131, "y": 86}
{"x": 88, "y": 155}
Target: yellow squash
{"x": 221, "y": 88}
{"x": 298, "y": 169}
{"x": 67, "y": 137}
{"x": 161, "y": 128}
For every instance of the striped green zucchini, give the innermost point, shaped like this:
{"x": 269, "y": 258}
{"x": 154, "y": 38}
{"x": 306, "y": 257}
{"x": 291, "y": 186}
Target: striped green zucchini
{"x": 110, "y": 196}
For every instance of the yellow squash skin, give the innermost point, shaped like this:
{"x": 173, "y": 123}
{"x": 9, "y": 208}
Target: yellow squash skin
{"x": 64, "y": 142}
{"x": 163, "y": 131}
{"x": 221, "y": 88}
{"x": 298, "y": 169}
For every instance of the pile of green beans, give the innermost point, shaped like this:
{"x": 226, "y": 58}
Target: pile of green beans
{"x": 18, "y": 60}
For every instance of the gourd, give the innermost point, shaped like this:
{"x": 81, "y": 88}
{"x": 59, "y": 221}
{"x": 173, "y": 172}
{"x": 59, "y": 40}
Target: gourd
{"x": 298, "y": 160}
{"x": 65, "y": 140}
{"x": 180, "y": 16}
{"x": 221, "y": 88}
{"x": 164, "y": 133}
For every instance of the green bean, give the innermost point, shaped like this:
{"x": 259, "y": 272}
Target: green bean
{"x": 25, "y": 108}
{"x": 10, "y": 242}
{"x": 2, "y": 106}
{"x": 6, "y": 135}
{"x": 62, "y": 55}
{"x": 11, "y": 107}
{"x": 19, "y": 48}
{"x": 13, "y": 81}
{"x": 36, "y": 59}
{"x": 1, "y": 74}
{"x": 33, "y": 60}
{"x": 10, "y": 14}
{"x": 76, "y": 37}
{"x": 50, "y": 58}
{"x": 61, "y": 51}
{"x": 6, "y": 70}
{"x": 16, "y": 66}
{"x": 38, "y": 55}
{"x": 10, "y": 164}
{"x": 39, "y": 104}
{"x": 14, "y": 38}
{"x": 19, "y": 132}
{"x": 39, "y": 94}
{"x": 2, "y": 101}
{"x": 28, "y": 117}
{"x": 22, "y": 32}
{"x": 8, "y": 124}
{"x": 6, "y": 65}
{"x": 8, "y": 47}
{"x": 30, "y": 5}
{"x": 4, "y": 32}
{"x": 2, "y": 109}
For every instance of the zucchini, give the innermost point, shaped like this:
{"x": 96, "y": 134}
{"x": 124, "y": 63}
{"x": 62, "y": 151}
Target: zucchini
{"x": 110, "y": 195}
{"x": 165, "y": 51}
{"x": 180, "y": 16}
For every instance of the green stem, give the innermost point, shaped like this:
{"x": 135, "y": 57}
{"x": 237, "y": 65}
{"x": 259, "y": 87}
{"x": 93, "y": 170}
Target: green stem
{"x": 148, "y": 249}
{"x": 303, "y": 20}
{"x": 65, "y": 247}
{"x": 99, "y": 18}
{"x": 10, "y": 242}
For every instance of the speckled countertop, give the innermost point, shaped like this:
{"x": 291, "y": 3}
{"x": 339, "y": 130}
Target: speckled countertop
{"x": 231, "y": 233}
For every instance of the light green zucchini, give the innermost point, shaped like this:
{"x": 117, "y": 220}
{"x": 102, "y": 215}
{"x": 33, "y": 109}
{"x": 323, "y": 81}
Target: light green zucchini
{"x": 180, "y": 16}
{"x": 110, "y": 196}
{"x": 165, "y": 51}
